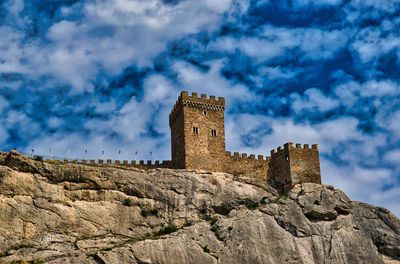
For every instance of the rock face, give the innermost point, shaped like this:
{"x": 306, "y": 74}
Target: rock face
{"x": 71, "y": 213}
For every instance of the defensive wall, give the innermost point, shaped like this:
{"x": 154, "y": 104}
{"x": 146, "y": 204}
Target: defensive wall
{"x": 287, "y": 165}
{"x": 198, "y": 142}
{"x": 142, "y": 164}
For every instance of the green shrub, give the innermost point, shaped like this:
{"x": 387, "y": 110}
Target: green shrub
{"x": 251, "y": 204}
{"x": 127, "y": 202}
{"x": 38, "y": 158}
{"x": 213, "y": 221}
{"x": 214, "y": 229}
{"x": 187, "y": 224}
{"x": 154, "y": 212}
{"x": 167, "y": 230}
{"x": 144, "y": 213}
{"x": 206, "y": 249}
{"x": 222, "y": 209}
{"x": 281, "y": 197}
{"x": 263, "y": 200}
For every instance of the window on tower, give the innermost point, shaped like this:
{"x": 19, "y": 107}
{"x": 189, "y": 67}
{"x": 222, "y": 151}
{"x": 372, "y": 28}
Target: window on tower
{"x": 213, "y": 132}
{"x": 195, "y": 130}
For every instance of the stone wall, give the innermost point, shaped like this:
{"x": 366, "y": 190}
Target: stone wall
{"x": 176, "y": 123}
{"x": 246, "y": 165}
{"x": 304, "y": 163}
{"x": 192, "y": 120}
{"x": 290, "y": 166}
{"x": 198, "y": 142}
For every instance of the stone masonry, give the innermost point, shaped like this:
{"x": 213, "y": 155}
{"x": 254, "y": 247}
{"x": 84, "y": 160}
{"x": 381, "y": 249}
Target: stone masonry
{"x": 198, "y": 142}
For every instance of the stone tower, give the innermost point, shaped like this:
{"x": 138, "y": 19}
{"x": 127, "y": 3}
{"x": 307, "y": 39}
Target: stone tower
{"x": 197, "y": 132}
{"x": 293, "y": 165}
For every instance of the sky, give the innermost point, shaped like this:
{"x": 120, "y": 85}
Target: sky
{"x": 104, "y": 74}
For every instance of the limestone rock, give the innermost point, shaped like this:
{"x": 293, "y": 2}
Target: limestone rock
{"x": 72, "y": 213}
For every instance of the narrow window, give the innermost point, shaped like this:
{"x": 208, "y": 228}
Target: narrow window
{"x": 205, "y": 113}
{"x": 286, "y": 157}
{"x": 213, "y": 132}
{"x": 195, "y": 130}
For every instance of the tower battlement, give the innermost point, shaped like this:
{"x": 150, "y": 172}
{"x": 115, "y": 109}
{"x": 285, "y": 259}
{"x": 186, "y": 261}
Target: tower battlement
{"x": 198, "y": 142}
{"x": 193, "y": 100}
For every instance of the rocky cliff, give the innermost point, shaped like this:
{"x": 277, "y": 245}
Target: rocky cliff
{"x": 71, "y": 213}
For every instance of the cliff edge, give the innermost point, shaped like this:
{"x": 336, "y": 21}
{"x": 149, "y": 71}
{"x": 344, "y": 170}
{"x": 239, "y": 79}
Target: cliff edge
{"x": 72, "y": 213}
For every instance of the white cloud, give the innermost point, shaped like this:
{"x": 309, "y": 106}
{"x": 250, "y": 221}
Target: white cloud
{"x": 15, "y": 6}
{"x": 312, "y": 100}
{"x": 302, "y": 3}
{"x": 393, "y": 156}
{"x": 3, "y": 104}
{"x": 393, "y": 124}
{"x": 371, "y": 43}
{"x": 211, "y": 82}
{"x": 278, "y": 72}
{"x": 110, "y": 36}
{"x": 273, "y": 42}
{"x": 386, "y": 5}
{"x": 55, "y": 122}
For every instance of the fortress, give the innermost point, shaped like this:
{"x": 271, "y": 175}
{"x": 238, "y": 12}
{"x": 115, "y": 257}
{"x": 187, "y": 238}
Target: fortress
{"x": 198, "y": 142}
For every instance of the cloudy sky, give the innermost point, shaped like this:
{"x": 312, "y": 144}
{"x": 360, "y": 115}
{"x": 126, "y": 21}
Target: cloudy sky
{"x": 103, "y": 75}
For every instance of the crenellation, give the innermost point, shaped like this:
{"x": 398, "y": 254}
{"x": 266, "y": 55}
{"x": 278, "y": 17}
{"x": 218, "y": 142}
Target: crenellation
{"x": 184, "y": 94}
{"x": 92, "y": 161}
{"x": 288, "y": 145}
{"x": 198, "y": 142}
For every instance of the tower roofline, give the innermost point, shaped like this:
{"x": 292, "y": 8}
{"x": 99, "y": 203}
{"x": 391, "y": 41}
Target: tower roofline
{"x": 199, "y": 102}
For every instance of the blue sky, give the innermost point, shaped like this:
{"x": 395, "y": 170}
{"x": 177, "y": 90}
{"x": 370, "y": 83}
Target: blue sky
{"x": 103, "y": 75}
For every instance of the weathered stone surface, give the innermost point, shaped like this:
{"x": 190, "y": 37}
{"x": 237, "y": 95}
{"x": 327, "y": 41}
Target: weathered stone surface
{"x": 75, "y": 213}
